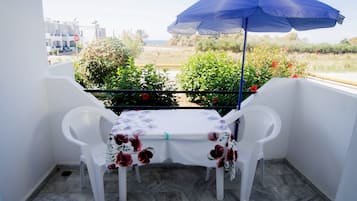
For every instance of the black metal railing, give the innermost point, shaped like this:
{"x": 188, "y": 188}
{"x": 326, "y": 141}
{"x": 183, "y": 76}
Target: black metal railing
{"x": 125, "y": 107}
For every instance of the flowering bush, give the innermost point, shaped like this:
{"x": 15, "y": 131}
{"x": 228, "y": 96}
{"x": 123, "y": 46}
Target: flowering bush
{"x": 273, "y": 62}
{"x": 131, "y": 77}
{"x": 107, "y": 64}
{"x": 218, "y": 71}
{"x": 100, "y": 60}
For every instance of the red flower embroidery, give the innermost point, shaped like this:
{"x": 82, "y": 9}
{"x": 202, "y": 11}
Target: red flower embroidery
{"x": 120, "y": 139}
{"x": 144, "y": 156}
{"x": 290, "y": 65}
{"x": 123, "y": 160}
{"x": 213, "y": 136}
{"x": 232, "y": 155}
{"x": 274, "y": 64}
{"x": 215, "y": 100}
{"x": 136, "y": 143}
{"x": 254, "y": 88}
{"x": 220, "y": 163}
{"x": 217, "y": 152}
{"x": 112, "y": 167}
{"x": 145, "y": 96}
{"x": 295, "y": 76}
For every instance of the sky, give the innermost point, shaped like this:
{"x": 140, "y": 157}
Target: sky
{"x": 153, "y": 16}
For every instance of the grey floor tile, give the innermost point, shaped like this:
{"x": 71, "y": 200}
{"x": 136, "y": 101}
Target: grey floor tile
{"x": 173, "y": 182}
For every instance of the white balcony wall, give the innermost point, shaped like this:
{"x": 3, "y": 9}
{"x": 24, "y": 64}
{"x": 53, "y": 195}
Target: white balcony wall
{"x": 320, "y": 134}
{"x": 26, "y": 156}
{"x": 279, "y": 94}
{"x": 64, "y": 94}
{"x": 62, "y": 69}
{"x": 347, "y": 187}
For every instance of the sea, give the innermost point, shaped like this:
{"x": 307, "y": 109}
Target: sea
{"x": 156, "y": 42}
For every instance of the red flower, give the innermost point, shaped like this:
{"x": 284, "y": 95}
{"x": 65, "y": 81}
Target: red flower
{"x": 232, "y": 155}
{"x": 120, "y": 139}
{"x": 274, "y": 64}
{"x": 145, "y": 96}
{"x": 254, "y": 88}
{"x": 112, "y": 166}
{"x": 217, "y": 152}
{"x": 136, "y": 143}
{"x": 144, "y": 156}
{"x": 123, "y": 160}
{"x": 220, "y": 163}
{"x": 215, "y": 100}
{"x": 290, "y": 65}
{"x": 213, "y": 136}
{"x": 295, "y": 76}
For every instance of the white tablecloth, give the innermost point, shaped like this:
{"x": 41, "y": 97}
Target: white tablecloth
{"x": 192, "y": 137}
{"x": 183, "y": 136}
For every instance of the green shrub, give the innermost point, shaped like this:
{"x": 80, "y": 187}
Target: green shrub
{"x": 291, "y": 41}
{"x": 131, "y": 77}
{"x": 272, "y": 62}
{"x": 218, "y": 71}
{"x": 100, "y": 60}
{"x": 210, "y": 71}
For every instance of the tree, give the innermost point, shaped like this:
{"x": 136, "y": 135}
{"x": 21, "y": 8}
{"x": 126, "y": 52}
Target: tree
{"x": 99, "y": 61}
{"x": 134, "y": 41}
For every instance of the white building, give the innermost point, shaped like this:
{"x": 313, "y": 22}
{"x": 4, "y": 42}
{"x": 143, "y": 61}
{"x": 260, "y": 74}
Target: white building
{"x": 60, "y": 35}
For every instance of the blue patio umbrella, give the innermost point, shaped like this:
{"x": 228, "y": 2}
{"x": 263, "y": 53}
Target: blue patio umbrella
{"x": 230, "y": 16}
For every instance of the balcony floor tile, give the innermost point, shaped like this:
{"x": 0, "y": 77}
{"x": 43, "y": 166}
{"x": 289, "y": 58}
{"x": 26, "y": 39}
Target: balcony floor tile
{"x": 181, "y": 183}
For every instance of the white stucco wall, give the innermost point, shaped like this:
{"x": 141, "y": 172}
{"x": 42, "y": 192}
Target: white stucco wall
{"x": 348, "y": 183}
{"x": 25, "y": 154}
{"x": 64, "y": 94}
{"x": 279, "y": 95}
{"x": 62, "y": 69}
{"x": 320, "y": 134}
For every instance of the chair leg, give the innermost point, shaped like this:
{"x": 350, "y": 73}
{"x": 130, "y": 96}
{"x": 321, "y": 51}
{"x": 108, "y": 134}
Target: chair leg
{"x": 208, "y": 169}
{"x": 247, "y": 174}
{"x": 93, "y": 182}
{"x": 100, "y": 183}
{"x": 137, "y": 173}
{"x": 262, "y": 165}
{"x": 81, "y": 174}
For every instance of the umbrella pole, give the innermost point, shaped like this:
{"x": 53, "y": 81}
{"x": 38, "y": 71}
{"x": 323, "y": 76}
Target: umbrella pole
{"x": 240, "y": 94}
{"x": 245, "y": 26}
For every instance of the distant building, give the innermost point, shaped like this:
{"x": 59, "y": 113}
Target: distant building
{"x": 60, "y": 35}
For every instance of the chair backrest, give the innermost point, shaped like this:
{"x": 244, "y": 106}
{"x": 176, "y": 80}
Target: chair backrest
{"x": 81, "y": 125}
{"x": 260, "y": 123}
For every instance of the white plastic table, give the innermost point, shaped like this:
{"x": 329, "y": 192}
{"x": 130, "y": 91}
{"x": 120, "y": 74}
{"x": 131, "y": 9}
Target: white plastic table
{"x": 190, "y": 137}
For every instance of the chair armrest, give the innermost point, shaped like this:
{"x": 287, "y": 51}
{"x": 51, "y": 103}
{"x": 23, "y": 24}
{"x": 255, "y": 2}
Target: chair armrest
{"x": 75, "y": 141}
{"x": 232, "y": 116}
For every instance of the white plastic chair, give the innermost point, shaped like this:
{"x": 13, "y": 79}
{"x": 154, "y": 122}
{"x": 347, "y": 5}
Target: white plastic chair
{"x": 261, "y": 124}
{"x": 81, "y": 126}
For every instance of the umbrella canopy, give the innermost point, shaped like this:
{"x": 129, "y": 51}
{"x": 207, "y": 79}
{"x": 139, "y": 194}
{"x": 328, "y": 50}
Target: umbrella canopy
{"x": 230, "y": 16}
{"x": 262, "y": 16}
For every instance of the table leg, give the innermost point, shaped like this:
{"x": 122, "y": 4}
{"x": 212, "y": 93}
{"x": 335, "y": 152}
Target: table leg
{"x": 122, "y": 183}
{"x": 220, "y": 183}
